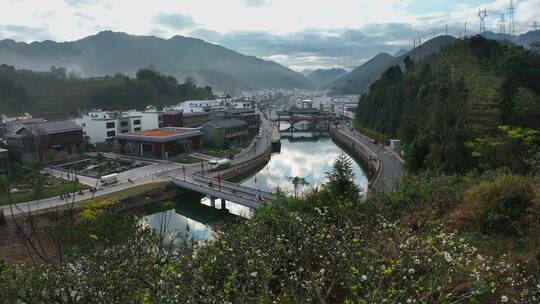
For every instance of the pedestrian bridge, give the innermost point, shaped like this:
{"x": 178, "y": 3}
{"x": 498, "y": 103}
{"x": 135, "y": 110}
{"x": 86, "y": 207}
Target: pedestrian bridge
{"x": 226, "y": 191}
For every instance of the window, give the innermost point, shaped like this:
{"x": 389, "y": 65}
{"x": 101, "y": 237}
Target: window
{"x": 111, "y": 133}
{"x": 110, "y": 125}
{"x": 137, "y": 122}
{"x": 124, "y": 124}
{"x": 136, "y": 129}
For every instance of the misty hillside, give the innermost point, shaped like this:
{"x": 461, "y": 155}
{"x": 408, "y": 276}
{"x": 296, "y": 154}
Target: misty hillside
{"x": 108, "y": 53}
{"x": 322, "y": 77}
{"x": 524, "y": 40}
{"x": 400, "y": 53}
{"x": 359, "y": 80}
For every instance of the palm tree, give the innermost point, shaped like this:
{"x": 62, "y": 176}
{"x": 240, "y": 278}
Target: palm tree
{"x": 297, "y": 181}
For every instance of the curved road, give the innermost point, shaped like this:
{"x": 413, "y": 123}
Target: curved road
{"x": 392, "y": 165}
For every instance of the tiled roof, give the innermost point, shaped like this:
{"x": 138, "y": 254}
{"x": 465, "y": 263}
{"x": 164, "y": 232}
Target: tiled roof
{"x": 53, "y": 127}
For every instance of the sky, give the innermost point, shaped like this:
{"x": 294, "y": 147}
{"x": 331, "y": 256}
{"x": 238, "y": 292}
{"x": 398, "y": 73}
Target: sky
{"x": 301, "y": 34}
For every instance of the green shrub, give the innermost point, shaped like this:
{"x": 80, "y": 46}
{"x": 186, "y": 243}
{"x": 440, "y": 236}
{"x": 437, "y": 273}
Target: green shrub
{"x": 499, "y": 206}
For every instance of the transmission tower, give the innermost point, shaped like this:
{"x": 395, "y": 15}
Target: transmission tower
{"x": 511, "y": 20}
{"x": 535, "y": 26}
{"x": 482, "y": 15}
{"x": 502, "y": 25}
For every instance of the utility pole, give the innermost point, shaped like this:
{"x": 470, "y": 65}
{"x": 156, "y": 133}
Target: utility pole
{"x": 482, "y": 15}
{"x": 465, "y": 29}
{"x": 419, "y": 49}
{"x": 535, "y": 26}
{"x": 446, "y": 30}
{"x": 502, "y": 25}
{"x": 511, "y": 19}
{"x": 414, "y": 49}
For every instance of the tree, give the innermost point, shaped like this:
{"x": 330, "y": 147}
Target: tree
{"x": 535, "y": 46}
{"x": 408, "y": 62}
{"x": 297, "y": 181}
{"x": 341, "y": 178}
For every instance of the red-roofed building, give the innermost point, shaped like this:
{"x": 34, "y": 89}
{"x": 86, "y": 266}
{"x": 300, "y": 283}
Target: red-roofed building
{"x": 160, "y": 143}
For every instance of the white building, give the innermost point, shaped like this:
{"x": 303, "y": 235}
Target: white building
{"x": 151, "y": 118}
{"x": 98, "y": 126}
{"x": 215, "y": 105}
{"x": 322, "y": 102}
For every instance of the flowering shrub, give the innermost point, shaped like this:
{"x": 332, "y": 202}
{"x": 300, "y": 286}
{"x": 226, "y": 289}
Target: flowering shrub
{"x": 338, "y": 251}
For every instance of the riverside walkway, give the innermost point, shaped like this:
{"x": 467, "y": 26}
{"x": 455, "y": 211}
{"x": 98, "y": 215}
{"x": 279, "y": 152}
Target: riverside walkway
{"x": 389, "y": 166}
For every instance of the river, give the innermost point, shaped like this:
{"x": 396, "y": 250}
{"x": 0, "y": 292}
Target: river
{"x": 303, "y": 153}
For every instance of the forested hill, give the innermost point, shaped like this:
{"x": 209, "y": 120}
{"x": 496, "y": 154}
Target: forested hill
{"x": 476, "y": 104}
{"x": 56, "y": 94}
{"x": 108, "y": 53}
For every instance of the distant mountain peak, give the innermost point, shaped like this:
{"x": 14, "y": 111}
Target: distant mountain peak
{"x": 400, "y": 53}
{"x": 322, "y": 77}
{"x": 109, "y": 52}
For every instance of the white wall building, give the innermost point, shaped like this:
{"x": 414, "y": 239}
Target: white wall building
{"x": 219, "y": 104}
{"x": 99, "y": 125}
{"x": 151, "y": 118}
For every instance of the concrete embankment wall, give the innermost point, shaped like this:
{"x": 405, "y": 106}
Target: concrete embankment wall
{"x": 366, "y": 158}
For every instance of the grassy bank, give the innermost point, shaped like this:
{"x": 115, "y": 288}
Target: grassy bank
{"x": 48, "y": 192}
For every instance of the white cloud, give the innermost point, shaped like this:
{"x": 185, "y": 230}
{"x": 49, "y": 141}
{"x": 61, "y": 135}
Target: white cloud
{"x": 278, "y": 19}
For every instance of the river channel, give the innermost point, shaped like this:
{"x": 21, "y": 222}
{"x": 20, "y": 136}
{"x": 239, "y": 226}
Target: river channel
{"x": 303, "y": 153}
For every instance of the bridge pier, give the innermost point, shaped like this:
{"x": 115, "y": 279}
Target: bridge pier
{"x": 224, "y": 205}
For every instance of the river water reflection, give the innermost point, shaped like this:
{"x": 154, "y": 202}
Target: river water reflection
{"x": 303, "y": 154}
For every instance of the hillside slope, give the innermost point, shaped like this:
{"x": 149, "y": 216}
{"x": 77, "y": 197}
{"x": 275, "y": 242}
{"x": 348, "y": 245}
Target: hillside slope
{"x": 465, "y": 92}
{"x": 108, "y": 53}
{"x": 359, "y": 80}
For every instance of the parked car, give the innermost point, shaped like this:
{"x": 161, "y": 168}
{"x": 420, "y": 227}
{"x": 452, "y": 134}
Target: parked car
{"x": 259, "y": 135}
{"x": 216, "y": 164}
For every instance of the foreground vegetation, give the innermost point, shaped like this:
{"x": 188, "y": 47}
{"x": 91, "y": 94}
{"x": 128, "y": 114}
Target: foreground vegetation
{"x": 327, "y": 246}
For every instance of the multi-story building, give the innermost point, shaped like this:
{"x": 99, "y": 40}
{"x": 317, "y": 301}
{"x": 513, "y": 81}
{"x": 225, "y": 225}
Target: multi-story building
{"x": 151, "y": 118}
{"x": 249, "y": 116}
{"x": 195, "y": 119}
{"x": 8, "y": 125}
{"x": 225, "y": 132}
{"x": 215, "y": 105}
{"x": 35, "y": 141}
{"x": 173, "y": 118}
{"x": 99, "y": 126}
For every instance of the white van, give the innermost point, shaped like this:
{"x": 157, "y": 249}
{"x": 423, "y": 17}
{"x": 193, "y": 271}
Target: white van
{"x": 109, "y": 179}
{"x": 217, "y": 164}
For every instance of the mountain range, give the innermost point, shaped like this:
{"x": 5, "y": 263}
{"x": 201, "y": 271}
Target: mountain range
{"x": 359, "y": 80}
{"x": 323, "y": 77}
{"x": 524, "y": 40}
{"x": 108, "y": 53}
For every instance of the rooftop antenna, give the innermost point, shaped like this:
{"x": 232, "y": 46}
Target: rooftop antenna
{"x": 535, "y": 26}
{"x": 511, "y": 19}
{"x": 482, "y": 15}
{"x": 502, "y": 25}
